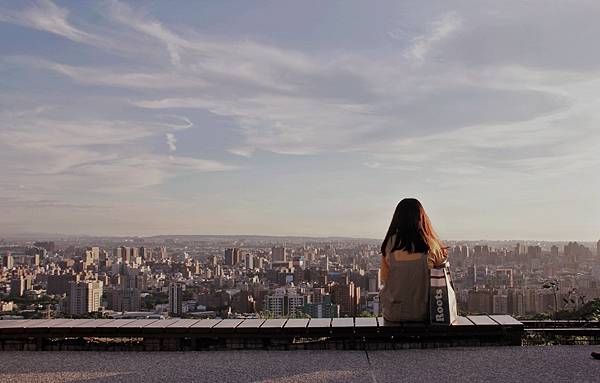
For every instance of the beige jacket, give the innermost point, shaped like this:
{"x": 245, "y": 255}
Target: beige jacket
{"x": 435, "y": 257}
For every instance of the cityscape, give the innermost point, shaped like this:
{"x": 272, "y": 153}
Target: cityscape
{"x": 299, "y": 191}
{"x": 275, "y": 277}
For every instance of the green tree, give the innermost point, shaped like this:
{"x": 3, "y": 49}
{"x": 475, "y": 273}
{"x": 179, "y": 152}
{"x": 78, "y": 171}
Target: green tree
{"x": 366, "y": 314}
{"x": 589, "y": 311}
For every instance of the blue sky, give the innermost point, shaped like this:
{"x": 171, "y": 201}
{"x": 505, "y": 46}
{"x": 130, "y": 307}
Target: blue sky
{"x": 299, "y": 118}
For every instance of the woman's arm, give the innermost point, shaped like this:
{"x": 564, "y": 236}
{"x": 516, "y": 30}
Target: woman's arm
{"x": 436, "y": 258}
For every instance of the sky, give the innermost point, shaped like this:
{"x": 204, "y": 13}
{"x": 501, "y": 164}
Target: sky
{"x": 300, "y": 117}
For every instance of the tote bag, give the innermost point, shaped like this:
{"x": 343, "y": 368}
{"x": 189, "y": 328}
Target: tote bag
{"x": 442, "y": 299}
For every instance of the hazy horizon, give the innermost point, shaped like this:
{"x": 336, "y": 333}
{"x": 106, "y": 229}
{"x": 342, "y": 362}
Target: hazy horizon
{"x": 55, "y": 236}
{"x": 300, "y": 118}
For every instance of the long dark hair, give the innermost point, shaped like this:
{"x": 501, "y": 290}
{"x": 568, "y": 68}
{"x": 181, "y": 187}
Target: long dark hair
{"x": 411, "y": 229}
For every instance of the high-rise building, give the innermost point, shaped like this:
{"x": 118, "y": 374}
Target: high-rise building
{"x": 515, "y": 302}
{"x": 242, "y": 302}
{"x": 576, "y": 252}
{"x": 232, "y": 256}
{"x": 480, "y": 301}
{"x": 521, "y": 249}
{"x": 49, "y": 246}
{"x": 196, "y": 268}
{"x": 534, "y": 251}
{"x": 59, "y": 283}
{"x": 161, "y": 253}
{"x": 213, "y": 260}
{"x": 35, "y": 259}
{"x": 554, "y": 251}
{"x": 84, "y": 297}
{"x": 285, "y": 302}
{"x": 175, "y": 299}
{"x": 464, "y": 251}
{"x": 118, "y": 254}
{"x": 347, "y": 296}
{"x": 146, "y": 253}
{"x": 471, "y": 279}
{"x": 8, "y": 260}
{"x": 298, "y": 262}
{"x": 323, "y": 309}
{"x": 500, "y": 304}
{"x": 481, "y": 250}
{"x": 249, "y": 261}
{"x": 505, "y": 276}
{"x": 278, "y": 254}
{"x": 125, "y": 254}
{"x": 88, "y": 258}
{"x": 20, "y": 284}
{"x": 374, "y": 280}
{"x": 598, "y": 248}
{"x": 104, "y": 261}
{"x": 123, "y": 299}
{"x": 94, "y": 254}
{"x": 132, "y": 279}
{"x": 135, "y": 254}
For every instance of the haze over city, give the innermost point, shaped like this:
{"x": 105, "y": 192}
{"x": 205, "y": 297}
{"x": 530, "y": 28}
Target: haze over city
{"x": 284, "y": 118}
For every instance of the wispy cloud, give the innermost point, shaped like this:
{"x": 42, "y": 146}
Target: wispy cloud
{"x": 437, "y": 101}
{"x": 46, "y": 16}
{"x": 171, "y": 141}
{"x": 48, "y": 157}
{"x": 439, "y": 30}
{"x": 291, "y": 103}
{"x": 148, "y": 26}
{"x": 114, "y": 77}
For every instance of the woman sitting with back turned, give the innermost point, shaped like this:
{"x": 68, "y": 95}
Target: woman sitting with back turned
{"x": 409, "y": 250}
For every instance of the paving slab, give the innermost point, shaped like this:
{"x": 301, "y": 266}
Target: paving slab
{"x": 212, "y": 366}
{"x": 488, "y": 364}
{"x": 482, "y": 320}
{"x": 273, "y": 324}
{"x": 482, "y": 364}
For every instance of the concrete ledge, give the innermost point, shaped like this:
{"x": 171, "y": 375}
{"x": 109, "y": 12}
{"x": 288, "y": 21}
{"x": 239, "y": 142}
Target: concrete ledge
{"x": 227, "y": 334}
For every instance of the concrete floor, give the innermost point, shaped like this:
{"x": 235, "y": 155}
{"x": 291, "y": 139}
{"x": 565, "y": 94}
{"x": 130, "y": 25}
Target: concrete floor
{"x": 501, "y": 364}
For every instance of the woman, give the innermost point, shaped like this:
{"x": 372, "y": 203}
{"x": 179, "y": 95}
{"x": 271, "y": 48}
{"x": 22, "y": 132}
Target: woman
{"x": 409, "y": 250}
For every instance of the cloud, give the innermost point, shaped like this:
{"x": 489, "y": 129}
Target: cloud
{"x": 171, "y": 141}
{"x": 148, "y": 26}
{"x": 440, "y": 29}
{"x": 288, "y": 102}
{"x": 308, "y": 125}
{"x": 182, "y": 122}
{"x": 12, "y": 202}
{"x": 465, "y": 95}
{"x": 46, "y": 16}
{"x": 46, "y": 158}
{"x": 113, "y": 77}
{"x": 219, "y": 58}
{"x": 131, "y": 173}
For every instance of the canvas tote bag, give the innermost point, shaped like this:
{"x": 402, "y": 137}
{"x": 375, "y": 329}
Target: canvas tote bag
{"x": 442, "y": 299}
{"x": 405, "y": 294}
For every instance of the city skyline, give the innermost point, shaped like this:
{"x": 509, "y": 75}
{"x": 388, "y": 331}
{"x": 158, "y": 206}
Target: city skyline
{"x": 256, "y": 277}
{"x": 280, "y": 240}
{"x": 290, "y": 119}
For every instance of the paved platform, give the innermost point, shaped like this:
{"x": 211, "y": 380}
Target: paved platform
{"x": 482, "y": 364}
